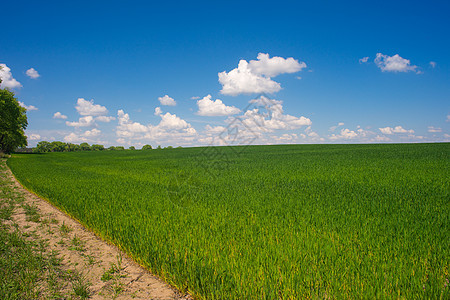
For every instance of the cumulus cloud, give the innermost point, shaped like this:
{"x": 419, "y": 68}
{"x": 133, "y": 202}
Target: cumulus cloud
{"x": 210, "y": 130}
{"x": 433, "y": 64}
{"x": 208, "y": 107}
{"x": 158, "y": 111}
{"x": 448, "y": 118}
{"x": 8, "y": 81}
{"x": 127, "y": 127}
{"x": 267, "y": 115}
{"x": 72, "y": 138}
{"x": 58, "y": 115}
{"x": 434, "y": 129}
{"x": 274, "y": 66}
{"x": 397, "y": 129}
{"x": 34, "y": 137}
{"x": 255, "y": 77}
{"x": 32, "y": 73}
{"x": 87, "y": 121}
{"x": 333, "y": 128}
{"x": 394, "y": 63}
{"x": 92, "y": 133}
{"x": 88, "y": 108}
{"x": 358, "y": 135}
{"x": 195, "y": 98}
{"x": 242, "y": 81}
{"x": 27, "y": 107}
{"x": 172, "y": 122}
{"x": 344, "y": 134}
{"x": 363, "y": 60}
{"x": 166, "y": 100}
{"x": 90, "y": 136}
{"x": 171, "y": 127}
{"x": 105, "y": 119}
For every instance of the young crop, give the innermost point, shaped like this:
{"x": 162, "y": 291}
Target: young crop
{"x": 294, "y": 221}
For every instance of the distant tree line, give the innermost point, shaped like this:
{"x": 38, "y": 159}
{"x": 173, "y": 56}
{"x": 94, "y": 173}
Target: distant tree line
{"x": 45, "y": 146}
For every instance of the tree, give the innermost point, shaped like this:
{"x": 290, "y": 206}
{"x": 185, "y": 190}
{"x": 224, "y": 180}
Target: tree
{"x": 147, "y": 147}
{"x": 72, "y": 147}
{"x": 96, "y": 147}
{"x": 58, "y": 146}
{"x": 132, "y": 148}
{"x": 42, "y": 147}
{"x": 85, "y": 147}
{"x": 13, "y": 122}
{"x": 159, "y": 147}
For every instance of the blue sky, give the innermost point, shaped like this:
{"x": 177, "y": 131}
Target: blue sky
{"x": 291, "y": 71}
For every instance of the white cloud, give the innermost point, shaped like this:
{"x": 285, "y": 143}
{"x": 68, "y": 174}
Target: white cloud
{"x": 210, "y": 130}
{"x": 333, "y": 128}
{"x": 58, "y": 115}
{"x": 344, "y": 134}
{"x": 271, "y": 67}
{"x": 127, "y": 127}
{"x": 170, "y": 128}
{"x": 397, "y": 129}
{"x": 285, "y": 138}
{"x": 434, "y": 129}
{"x": 254, "y": 77}
{"x": 171, "y": 121}
{"x": 89, "y": 136}
{"x": 242, "y": 81}
{"x": 394, "y": 63}
{"x": 72, "y": 138}
{"x": 87, "y": 121}
{"x": 267, "y": 116}
{"x": 32, "y": 73}
{"x": 8, "y": 81}
{"x": 34, "y": 137}
{"x": 208, "y": 107}
{"x": 166, "y": 100}
{"x": 380, "y": 138}
{"x": 88, "y": 108}
{"x": 27, "y": 107}
{"x": 92, "y": 133}
{"x": 105, "y": 119}
{"x": 448, "y": 118}
{"x": 158, "y": 111}
{"x": 433, "y": 64}
{"x": 363, "y": 60}
{"x": 195, "y": 98}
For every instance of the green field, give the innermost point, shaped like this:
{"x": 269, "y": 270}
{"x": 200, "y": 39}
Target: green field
{"x": 294, "y": 221}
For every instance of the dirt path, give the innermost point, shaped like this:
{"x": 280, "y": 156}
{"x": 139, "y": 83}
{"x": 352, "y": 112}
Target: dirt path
{"x": 110, "y": 273}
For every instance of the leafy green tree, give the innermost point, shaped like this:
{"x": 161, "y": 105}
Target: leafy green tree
{"x": 72, "y": 147}
{"x": 85, "y": 147}
{"x": 43, "y": 146}
{"x": 97, "y": 147}
{"x": 132, "y": 148}
{"x": 147, "y": 147}
{"x": 58, "y": 146}
{"x": 13, "y": 122}
{"x": 159, "y": 147}
{"x": 112, "y": 148}
{"x": 120, "y": 148}
{"x": 169, "y": 147}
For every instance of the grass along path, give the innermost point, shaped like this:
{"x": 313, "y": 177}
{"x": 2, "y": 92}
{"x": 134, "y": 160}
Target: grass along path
{"x": 44, "y": 254}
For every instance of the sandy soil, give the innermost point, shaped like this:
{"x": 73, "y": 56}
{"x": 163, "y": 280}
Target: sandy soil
{"x": 83, "y": 251}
